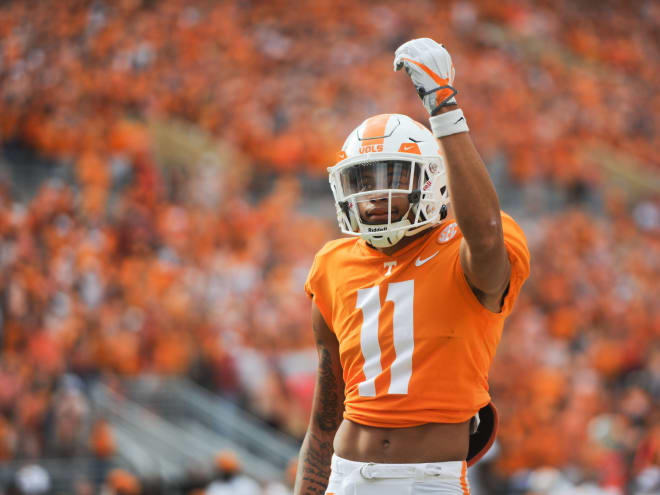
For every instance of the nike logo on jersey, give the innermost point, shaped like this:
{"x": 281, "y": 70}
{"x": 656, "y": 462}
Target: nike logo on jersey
{"x": 458, "y": 120}
{"x": 420, "y": 261}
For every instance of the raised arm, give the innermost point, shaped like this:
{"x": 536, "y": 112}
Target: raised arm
{"x": 477, "y": 211}
{"x": 327, "y": 412}
{"x": 473, "y": 198}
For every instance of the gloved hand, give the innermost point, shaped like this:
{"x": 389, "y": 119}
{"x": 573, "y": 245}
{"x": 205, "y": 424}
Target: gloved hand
{"x": 430, "y": 67}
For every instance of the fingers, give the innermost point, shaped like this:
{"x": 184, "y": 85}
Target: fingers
{"x": 418, "y": 47}
{"x": 429, "y": 66}
{"x": 421, "y": 69}
{"x": 409, "y": 49}
{"x": 427, "y": 54}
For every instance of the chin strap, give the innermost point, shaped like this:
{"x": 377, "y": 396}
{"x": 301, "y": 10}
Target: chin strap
{"x": 412, "y": 232}
{"x": 382, "y": 241}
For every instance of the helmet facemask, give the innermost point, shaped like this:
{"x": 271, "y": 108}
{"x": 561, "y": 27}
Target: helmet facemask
{"x": 385, "y": 197}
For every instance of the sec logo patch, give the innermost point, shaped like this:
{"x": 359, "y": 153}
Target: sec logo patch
{"x": 448, "y": 233}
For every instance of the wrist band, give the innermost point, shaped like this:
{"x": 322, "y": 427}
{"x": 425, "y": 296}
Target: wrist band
{"x": 448, "y": 123}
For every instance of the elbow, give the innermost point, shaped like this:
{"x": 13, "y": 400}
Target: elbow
{"x": 489, "y": 238}
{"x": 326, "y": 424}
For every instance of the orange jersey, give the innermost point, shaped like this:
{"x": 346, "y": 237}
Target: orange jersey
{"x": 415, "y": 343}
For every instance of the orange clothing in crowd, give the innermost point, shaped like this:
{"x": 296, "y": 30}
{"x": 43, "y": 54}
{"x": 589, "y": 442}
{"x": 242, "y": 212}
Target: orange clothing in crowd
{"x": 104, "y": 278}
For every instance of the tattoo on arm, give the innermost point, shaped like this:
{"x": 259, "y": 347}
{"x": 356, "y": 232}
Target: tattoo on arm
{"x": 315, "y": 457}
{"x": 329, "y": 414}
{"x": 317, "y": 449}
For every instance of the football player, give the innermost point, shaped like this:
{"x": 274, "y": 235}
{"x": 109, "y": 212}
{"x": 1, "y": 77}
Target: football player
{"x": 408, "y": 309}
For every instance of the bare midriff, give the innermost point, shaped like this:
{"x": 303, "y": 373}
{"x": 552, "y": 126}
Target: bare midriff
{"x": 430, "y": 442}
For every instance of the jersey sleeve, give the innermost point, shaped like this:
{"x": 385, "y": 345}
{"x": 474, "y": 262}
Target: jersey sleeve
{"x": 516, "y": 246}
{"x": 316, "y": 287}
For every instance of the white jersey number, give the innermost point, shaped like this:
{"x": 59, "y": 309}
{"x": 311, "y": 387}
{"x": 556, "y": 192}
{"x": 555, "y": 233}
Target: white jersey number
{"x": 368, "y": 300}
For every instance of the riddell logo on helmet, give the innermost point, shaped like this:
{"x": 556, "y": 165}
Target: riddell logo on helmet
{"x": 371, "y": 148}
{"x": 376, "y": 229}
{"x": 427, "y": 184}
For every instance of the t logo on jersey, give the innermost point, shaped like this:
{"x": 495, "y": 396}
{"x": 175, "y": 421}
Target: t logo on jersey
{"x": 389, "y": 265}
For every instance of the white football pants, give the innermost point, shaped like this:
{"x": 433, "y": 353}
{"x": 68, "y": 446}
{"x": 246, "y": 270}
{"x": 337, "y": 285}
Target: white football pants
{"x": 362, "y": 478}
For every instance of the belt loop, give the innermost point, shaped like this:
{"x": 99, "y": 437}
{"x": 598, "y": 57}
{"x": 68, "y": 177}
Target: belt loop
{"x": 434, "y": 470}
{"x": 420, "y": 472}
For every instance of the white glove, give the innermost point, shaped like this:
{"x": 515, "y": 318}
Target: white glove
{"x": 430, "y": 67}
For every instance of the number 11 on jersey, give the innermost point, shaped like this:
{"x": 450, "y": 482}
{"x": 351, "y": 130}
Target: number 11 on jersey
{"x": 401, "y": 294}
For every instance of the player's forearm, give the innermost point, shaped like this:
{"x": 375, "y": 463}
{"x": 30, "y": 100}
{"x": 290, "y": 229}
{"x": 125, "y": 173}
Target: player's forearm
{"x": 471, "y": 191}
{"x": 472, "y": 194}
{"x": 314, "y": 463}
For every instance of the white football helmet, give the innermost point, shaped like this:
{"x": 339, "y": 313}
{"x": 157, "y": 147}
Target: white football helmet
{"x": 389, "y": 161}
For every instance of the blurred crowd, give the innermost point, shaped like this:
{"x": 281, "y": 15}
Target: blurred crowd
{"x": 134, "y": 269}
{"x": 285, "y": 85}
{"x": 224, "y": 476}
{"x": 577, "y": 376}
